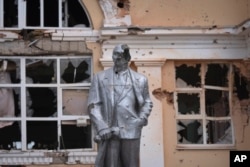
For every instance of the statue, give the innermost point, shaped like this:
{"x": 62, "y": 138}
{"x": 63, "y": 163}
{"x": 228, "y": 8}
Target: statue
{"x": 119, "y": 106}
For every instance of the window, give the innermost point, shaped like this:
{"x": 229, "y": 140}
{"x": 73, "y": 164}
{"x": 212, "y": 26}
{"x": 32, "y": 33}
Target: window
{"x": 43, "y": 103}
{"x": 203, "y": 105}
{"x": 42, "y": 14}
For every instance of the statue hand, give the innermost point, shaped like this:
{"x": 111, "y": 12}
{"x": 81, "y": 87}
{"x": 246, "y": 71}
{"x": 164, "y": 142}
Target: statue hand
{"x": 143, "y": 121}
{"x": 105, "y": 133}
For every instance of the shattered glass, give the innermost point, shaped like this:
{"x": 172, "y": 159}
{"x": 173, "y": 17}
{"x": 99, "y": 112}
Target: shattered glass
{"x": 188, "y": 103}
{"x": 219, "y": 132}
{"x": 217, "y": 103}
{"x": 188, "y": 76}
{"x": 189, "y": 131}
{"x": 217, "y": 75}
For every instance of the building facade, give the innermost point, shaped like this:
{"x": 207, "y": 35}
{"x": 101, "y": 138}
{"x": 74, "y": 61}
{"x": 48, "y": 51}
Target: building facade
{"x": 194, "y": 54}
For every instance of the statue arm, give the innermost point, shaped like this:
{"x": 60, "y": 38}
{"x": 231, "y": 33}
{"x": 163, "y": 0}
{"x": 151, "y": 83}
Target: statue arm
{"x": 95, "y": 106}
{"x": 146, "y": 108}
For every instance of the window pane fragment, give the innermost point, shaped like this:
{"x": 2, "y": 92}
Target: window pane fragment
{"x": 75, "y": 70}
{"x": 188, "y": 103}
{"x": 189, "y": 131}
{"x": 188, "y": 76}
{"x": 219, "y": 132}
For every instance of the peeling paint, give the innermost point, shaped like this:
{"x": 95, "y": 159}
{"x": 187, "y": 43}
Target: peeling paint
{"x": 161, "y": 94}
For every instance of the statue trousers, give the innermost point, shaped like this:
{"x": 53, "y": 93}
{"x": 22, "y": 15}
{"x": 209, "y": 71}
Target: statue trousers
{"x": 122, "y": 153}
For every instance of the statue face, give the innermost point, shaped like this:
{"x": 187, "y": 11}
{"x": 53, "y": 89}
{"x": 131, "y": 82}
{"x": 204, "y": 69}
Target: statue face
{"x": 118, "y": 57}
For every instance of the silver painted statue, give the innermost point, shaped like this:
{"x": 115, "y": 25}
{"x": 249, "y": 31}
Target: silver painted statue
{"x": 119, "y": 105}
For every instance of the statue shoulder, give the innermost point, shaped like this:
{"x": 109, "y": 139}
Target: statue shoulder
{"x": 138, "y": 75}
{"x": 102, "y": 73}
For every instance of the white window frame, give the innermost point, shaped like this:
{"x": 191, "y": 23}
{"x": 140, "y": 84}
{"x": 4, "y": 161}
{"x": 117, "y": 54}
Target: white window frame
{"x": 83, "y": 155}
{"x": 202, "y": 116}
{"x": 22, "y": 6}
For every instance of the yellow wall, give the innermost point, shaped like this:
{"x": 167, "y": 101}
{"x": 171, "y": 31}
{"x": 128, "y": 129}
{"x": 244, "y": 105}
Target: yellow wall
{"x": 184, "y": 158}
{"x": 175, "y": 13}
{"x": 183, "y": 13}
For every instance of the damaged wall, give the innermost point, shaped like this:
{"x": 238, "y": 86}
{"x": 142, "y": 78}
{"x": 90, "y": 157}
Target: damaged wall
{"x": 163, "y": 13}
{"x": 175, "y": 13}
{"x": 240, "y": 116}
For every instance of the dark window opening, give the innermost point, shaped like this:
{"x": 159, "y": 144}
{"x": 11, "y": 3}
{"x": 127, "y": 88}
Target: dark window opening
{"x": 40, "y": 71}
{"x": 189, "y": 75}
{"x": 217, "y": 75}
{"x": 203, "y": 102}
{"x": 219, "y": 132}
{"x": 188, "y": 103}
{"x": 33, "y": 112}
{"x": 190, "y": 131}
{"x": 51, "y": 13}
{"x": 74, "y": 137}
{"x": 74, "y": 14}
{"x": 10, "y": 13}
{"x": 33, "y": 13}
{"x": 10, "y": 136}
{"x": 41, "y": 102}
{"x": 42, "y": 135}
{"x": 217, "y": 103}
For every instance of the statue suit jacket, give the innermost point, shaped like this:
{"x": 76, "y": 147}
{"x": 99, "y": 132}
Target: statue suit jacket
{"x": 125, "y": 112}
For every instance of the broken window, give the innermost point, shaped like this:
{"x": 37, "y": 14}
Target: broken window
{"x": 43, "y": 13}
{"x": 43, "y": 103}
{"x": 56, "y": 13}
{"x": 9, "y": 13}
{"x": 202, "y": 99}
{"x": 188, "y": 103}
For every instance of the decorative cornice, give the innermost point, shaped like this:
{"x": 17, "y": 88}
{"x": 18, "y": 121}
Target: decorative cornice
{"x": 241, "y": 29}
{"x": 149, "y": 62}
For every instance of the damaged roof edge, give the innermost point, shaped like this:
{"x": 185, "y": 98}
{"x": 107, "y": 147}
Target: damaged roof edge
{"x": 239, "y": 30}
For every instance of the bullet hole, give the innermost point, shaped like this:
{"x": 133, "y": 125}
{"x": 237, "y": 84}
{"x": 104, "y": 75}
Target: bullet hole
{"x": 161, "y": 94}
{"x": 120, "y": 4}
{"x": 215, "y": 41}
{"x": 213, "y": 27}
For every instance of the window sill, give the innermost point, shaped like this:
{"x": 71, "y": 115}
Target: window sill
{"x": 46, "y": 157}
{"x": 205, "y": 147}
{"x": 57, "y": 34}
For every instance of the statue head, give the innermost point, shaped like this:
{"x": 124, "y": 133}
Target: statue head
{"x": 121, "y": 55}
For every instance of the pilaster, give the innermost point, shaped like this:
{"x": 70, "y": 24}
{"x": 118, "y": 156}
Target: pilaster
{"x": 152, "y": 153}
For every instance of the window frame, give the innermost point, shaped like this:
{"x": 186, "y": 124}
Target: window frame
{"x": 22, "y": 8}
{"x": 202, "y": 115}
{"x": 61, "y": 119}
